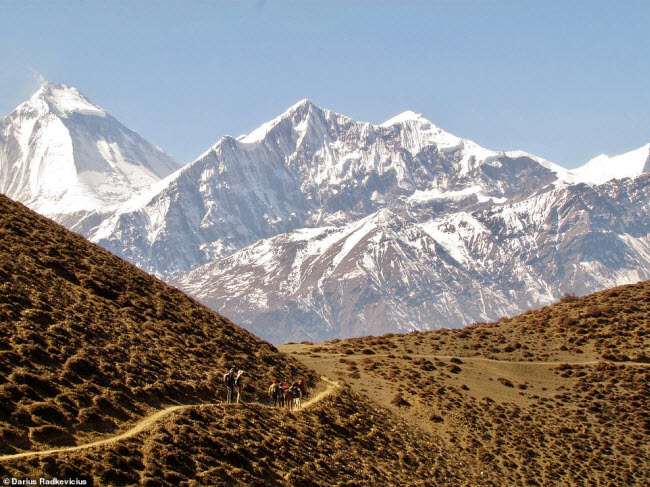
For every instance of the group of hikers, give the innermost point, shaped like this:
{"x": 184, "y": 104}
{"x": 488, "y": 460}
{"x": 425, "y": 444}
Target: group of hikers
{"x": 280, "y": 395}
{"x": 289, "y": 396}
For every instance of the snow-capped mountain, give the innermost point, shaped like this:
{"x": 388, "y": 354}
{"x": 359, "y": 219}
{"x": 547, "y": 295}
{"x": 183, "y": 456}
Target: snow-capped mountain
{"x": 316, "y": 226}
{"x": 66, "y": 157}
{"x": 367, "y": 277}
{"x": 605, "y": 168}
{"x": 388, "y": 273}
{"x": 312, "y": 167}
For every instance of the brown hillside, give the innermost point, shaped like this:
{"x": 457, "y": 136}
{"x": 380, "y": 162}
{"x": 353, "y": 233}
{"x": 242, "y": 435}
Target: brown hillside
{"x": 94, "y": 350}
{"x": 557, "y": 396}
{"x": 90, "y": 344}
{"x": 342, "y": 440}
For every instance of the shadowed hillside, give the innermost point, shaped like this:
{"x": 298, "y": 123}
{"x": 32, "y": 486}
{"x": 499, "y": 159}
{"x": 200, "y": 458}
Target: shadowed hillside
{"x": 557, "y": 396}
{"x": 90, "y": 344}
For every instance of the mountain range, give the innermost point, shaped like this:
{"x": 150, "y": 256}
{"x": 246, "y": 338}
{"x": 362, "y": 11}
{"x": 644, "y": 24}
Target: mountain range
{"x": 316, "y": 226}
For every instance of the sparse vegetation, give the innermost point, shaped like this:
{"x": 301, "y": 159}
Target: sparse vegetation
{"x": 91, "y": 344}
{"x": 553, "y": 397}
{"x": 533, "y": 399}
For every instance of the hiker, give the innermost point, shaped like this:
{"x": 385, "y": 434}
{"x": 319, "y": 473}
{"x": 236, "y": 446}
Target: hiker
{"x": 302, "y": 387}
{"x": 238, "y": 383}
{"x": 280, "y": 393}
{"x": 229, "y": 382}
{"x": 272, "y": 387}
{"x": 296, "y": 395}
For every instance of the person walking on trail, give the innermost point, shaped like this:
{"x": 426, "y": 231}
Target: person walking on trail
{"x": 302, "y": 387}
{"x": 272, "y": 390}
{"x": 229, "y": 382}
{"x": 238, "y": 384}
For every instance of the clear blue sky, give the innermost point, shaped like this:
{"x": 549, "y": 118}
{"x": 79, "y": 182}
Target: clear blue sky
{"x": 566, "y": 80}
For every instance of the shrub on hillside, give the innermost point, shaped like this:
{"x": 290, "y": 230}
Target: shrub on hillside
{"x": 568, "y": 298}
{"x": 399, "y": 401}
{"x": 40, "y": 384}
{"x": 81, "y": 366}
{"x": 49, "y": 413}
{"x": 594, "y": 311}
{"x": 51, "y": 435}
{"x": 91, "y": 419}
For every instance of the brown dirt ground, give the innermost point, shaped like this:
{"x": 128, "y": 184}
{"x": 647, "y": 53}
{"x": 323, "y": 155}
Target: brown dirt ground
{"x": 341, "y": 440}
{"x": 557, "y": 396}
{"x": 91, "y": 346}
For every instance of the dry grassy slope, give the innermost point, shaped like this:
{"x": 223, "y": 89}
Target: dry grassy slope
{"x": 342, "y": 440}
{"x": 90, "y": 344}
{"x": 557, "y": 396}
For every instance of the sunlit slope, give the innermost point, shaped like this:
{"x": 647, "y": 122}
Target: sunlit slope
{"x": 343, "y": 440}
{"x": 557, "y": 396}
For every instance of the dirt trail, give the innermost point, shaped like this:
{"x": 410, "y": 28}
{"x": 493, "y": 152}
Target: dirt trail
{"x": 331, "y": 385}
{"x": 518, "y": 362}
{"x": 149, "y": 421}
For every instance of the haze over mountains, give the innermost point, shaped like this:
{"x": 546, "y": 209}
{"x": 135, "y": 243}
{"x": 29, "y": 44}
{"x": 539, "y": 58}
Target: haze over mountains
{"x": 317, "y": 226}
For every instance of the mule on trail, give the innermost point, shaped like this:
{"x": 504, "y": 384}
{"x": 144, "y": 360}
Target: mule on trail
{"x": 292, "y": 396}
{"x": 276, "y": 394}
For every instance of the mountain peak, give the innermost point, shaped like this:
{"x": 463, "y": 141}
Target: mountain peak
{"x": 64, "y": 100}
{"x": 604, "y": 168}
{"x": 301, "y": 109}
{"x": 304, "y": 103}
{"x": 66, "y": 155}
{"x": 404, "y": 117}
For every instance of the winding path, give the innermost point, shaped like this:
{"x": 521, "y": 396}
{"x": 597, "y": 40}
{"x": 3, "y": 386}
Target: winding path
{"x": 150, "y": 420}
{"x": 514, "y": 362}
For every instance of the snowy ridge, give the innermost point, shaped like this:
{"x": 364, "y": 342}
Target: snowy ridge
{"x": 605, "y": 168}
{"x": 64, "y": 101}
{"x": 311, "y": 167}
{"x": 384, "y": 273}
{"x": 62, "y": 155}
{"x": 262, "y": 131}
{"x": 316, "y": 226}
